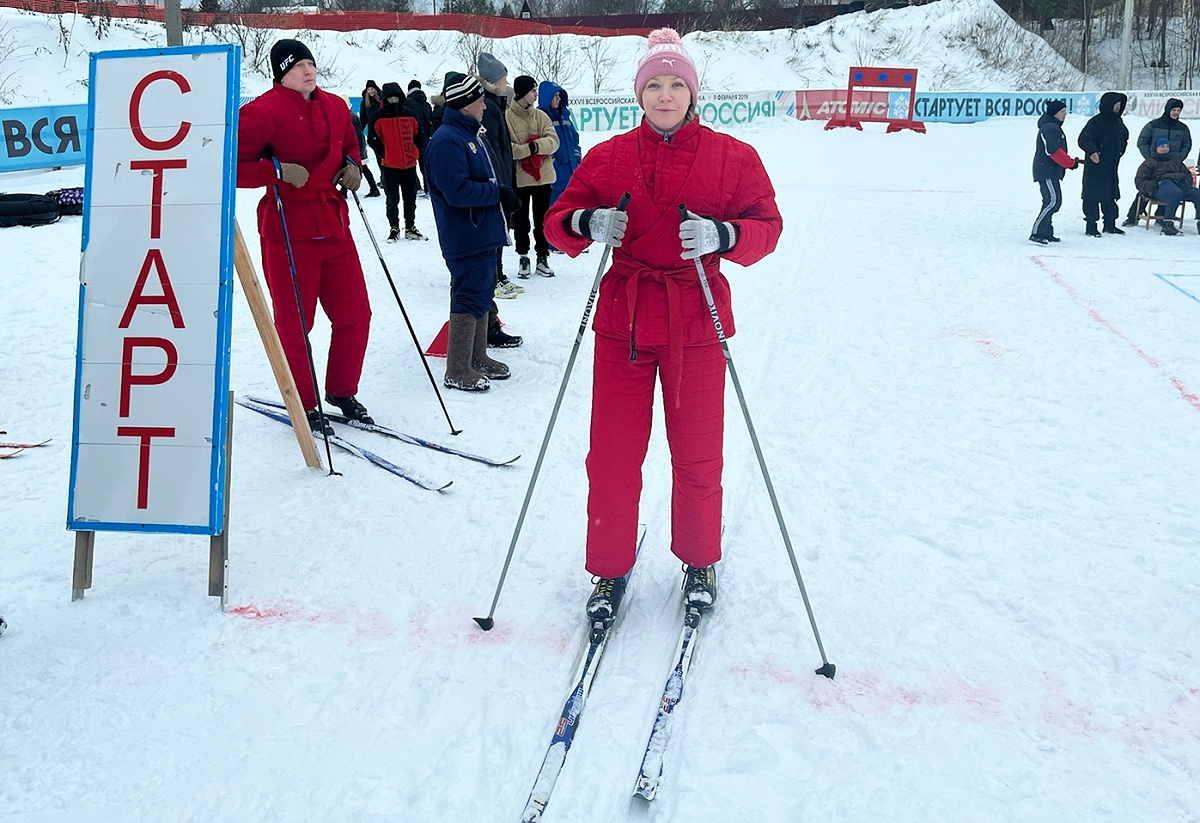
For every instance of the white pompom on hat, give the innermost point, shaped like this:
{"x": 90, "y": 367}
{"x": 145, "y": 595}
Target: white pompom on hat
{"x": 666, "y": 56}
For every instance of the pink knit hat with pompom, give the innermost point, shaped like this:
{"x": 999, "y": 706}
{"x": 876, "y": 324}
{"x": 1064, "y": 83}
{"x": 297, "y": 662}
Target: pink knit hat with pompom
{"x": 666, "y": 56}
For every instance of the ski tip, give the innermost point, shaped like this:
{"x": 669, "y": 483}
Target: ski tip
{"x": 828, "y": 670}
{"x": 443, "y": 488}
{"x": 485, "y": 623}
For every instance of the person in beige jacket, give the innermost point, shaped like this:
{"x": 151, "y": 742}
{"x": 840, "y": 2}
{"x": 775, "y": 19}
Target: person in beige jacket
{"x": 534, "y": 142}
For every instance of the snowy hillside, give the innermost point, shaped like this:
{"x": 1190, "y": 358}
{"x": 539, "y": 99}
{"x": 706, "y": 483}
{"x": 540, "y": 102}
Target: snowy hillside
{"x": 985, "y": 452}
{"x": 958, "y": 45}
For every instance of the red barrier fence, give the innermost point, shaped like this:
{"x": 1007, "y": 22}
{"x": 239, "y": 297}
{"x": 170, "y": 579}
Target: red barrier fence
{"x": 492, "y": 27}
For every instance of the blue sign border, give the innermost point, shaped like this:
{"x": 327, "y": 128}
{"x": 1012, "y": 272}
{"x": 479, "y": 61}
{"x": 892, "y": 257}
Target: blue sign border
{"x": 221, "y": 411}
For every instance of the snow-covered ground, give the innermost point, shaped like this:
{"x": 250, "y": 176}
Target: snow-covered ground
{"x": 985, "y": 452}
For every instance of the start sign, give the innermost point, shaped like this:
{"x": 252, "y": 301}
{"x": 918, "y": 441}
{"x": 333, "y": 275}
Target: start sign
{"x": 152, "y": 366}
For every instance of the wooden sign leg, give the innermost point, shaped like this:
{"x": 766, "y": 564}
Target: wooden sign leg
{"x": 81, "y": 578}
{"x": 248, "y": 277}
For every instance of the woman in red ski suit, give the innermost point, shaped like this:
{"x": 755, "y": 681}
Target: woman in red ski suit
{"x": 311, "y": 135}
{"x": 652, "y": 318}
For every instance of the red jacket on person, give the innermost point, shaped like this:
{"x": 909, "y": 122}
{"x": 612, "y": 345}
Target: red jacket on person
{"x": 317, "y": 134}
{"x": 651, "y": 296}
{"x": 394, "y": 132}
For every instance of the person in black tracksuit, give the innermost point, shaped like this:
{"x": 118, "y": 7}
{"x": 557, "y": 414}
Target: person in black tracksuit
{"x": 1103, "y": 140}
{"x": 1050, "y": 162}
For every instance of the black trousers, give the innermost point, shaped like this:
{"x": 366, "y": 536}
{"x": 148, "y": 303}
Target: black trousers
{"x": 395, "y": 183}
{"x": 539, "y": 198}
{"x": 1092, "y": 209}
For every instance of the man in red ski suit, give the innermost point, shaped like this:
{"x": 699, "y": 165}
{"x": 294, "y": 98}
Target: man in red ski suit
{"x": 652, "y": 318}
{"x": 299, "y": 141}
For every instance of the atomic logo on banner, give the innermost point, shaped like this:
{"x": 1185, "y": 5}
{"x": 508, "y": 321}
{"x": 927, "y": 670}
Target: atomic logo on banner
{"x": 152, "y": 367}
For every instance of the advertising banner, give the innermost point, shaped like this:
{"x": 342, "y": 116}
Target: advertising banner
{"x": 152, "y": 367}
{"x": 972, "y": 107}
{"x": 607, "y": 112}
{"x": 42, "y": 137}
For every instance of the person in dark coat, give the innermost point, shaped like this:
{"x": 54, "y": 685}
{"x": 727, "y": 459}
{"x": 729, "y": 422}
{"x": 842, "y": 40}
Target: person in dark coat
{"x": 552, "y": 99}
{"x": 371, "y": 102}
{"x": 1166, "y": 178}
{"x": 299, "y": 141}
{"x": 468, "y": 206}
{"x": 418, "y": 104}
{"x": 1177, "y": 134}
{"x": 1050, "y": 162}
{"x": 1103, "y": 139}
{"x": 493, "y": 76}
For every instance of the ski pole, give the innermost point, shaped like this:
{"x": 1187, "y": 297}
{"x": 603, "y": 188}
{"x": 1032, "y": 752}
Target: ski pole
{"x": 827, "y": 669}
{"x": 486, "y": 623}
{"x": 407, "y": 322}
{"x": 312, "y": 369}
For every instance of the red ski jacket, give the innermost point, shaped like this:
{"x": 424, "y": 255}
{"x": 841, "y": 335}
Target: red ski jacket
{"x": 317, "y": 134}
{"x": 651, "y": 295}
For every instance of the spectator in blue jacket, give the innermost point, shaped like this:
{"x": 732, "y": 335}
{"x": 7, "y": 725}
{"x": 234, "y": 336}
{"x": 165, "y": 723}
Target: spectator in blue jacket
{"x": 1050, "y": 162}
{"x": 467, "y": 204}
{"x": 552, "y": 99}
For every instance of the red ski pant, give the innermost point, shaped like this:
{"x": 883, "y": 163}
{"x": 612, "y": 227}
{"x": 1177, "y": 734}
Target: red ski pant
{"x": 622, "y": 412}
{"x": 329, "y": 271}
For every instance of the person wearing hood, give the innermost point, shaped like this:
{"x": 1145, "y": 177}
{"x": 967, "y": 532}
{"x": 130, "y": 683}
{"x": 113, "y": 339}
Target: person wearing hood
{"x": 493, "y": 76}
{"x": 1177, "y": 134}
{"x": 299, "y": 141}
{"x": 1165, "y": 177}
{"x": 1050, "y": 162}
{"x": 418, "y": 104}
{"x": 360, "y": 130}
{"x": 552, "y": 99}
{"x": 395, "y": 135}
{"x": 534, "y": 142}
{"x": 1103, "y": 139}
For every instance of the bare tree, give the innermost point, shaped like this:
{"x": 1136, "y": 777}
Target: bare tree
{"x": 602, "y": 59}
{"x": 551, "y": 58}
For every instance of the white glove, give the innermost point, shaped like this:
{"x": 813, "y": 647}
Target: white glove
{"x": 605, "y": 225}
{"x": 703, "y": 235}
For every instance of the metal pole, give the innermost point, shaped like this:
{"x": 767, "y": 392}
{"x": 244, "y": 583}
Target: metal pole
{"x": 828, "y": 668}
{"x": 407, "y": 322}
{"x": 486, "y": 623}
{"x": 174, "y": 23}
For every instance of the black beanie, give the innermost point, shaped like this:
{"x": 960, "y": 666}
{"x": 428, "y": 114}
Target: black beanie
{"x": 414, "y": 84}
{"x": 1055, "y": 106}
{"x": 285, "y": 54}
{"x": 523, "y": 85}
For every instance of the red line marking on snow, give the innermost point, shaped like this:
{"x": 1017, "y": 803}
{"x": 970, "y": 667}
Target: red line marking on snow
{"x": 979, "y": 337}
{"x": 371, "y": 625}
{"x": 1187, "y": 394}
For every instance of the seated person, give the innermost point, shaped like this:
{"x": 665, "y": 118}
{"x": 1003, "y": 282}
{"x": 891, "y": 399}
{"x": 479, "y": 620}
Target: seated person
{"x": 1164, "y": 178}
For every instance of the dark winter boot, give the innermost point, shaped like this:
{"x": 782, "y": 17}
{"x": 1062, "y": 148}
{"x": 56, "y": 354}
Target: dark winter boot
{"x": 1092, "y": 230}
{"x": 319, "y": 423}
{"x": 1111, "y": 228}
{"x": 459, "y": 350}
{"x": 497, "y": 338}
{"x": 1168, "y": 228}
{"x": 489, "y": 368}
{"x": 699, "y": 587}
{"x": 394, "y": 234}
{"x": 351, "y": 408}
{"x": 605, "y": 600}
